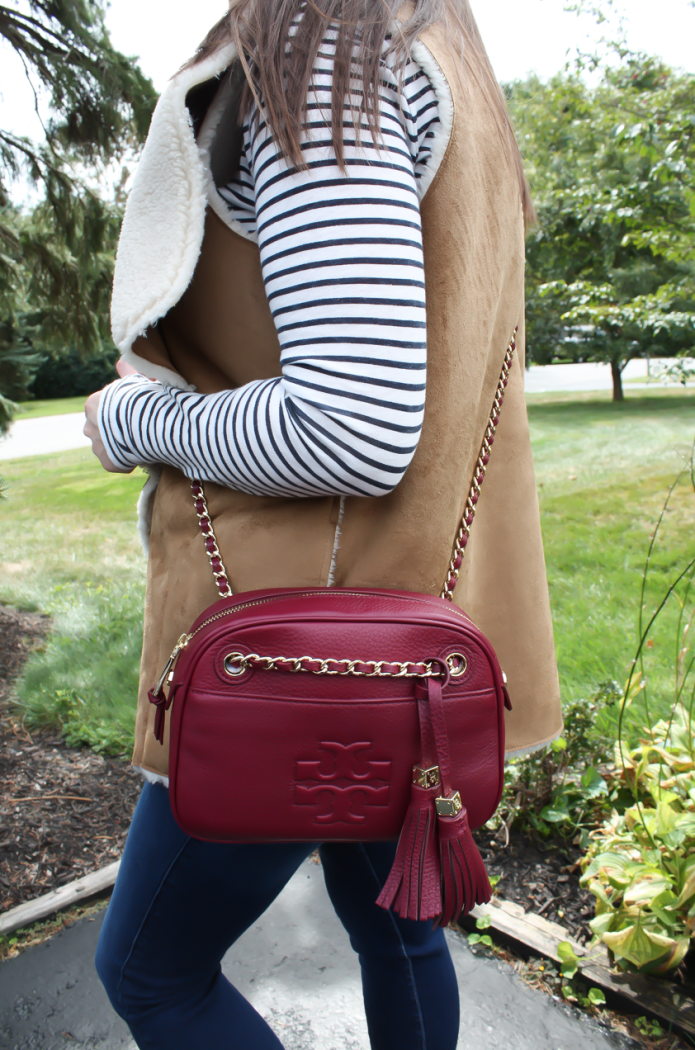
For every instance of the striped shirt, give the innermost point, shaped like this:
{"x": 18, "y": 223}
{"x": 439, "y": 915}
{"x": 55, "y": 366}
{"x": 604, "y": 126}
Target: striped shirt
{"x": 342, "y": 265}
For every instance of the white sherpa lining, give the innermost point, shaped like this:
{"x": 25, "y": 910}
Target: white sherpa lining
{"x": 336, "y": 543}
{"x": 145, "y": 503}
{"x": 445, "y": 104}
{"x": 152, "y": 778}
{"x": 165, "y": 215}
{"x": 206, "y": 137}
{"x": 152, "y": 371}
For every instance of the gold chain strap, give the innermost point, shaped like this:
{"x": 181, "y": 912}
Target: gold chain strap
{"x": 464, "y": 530}
{"x": 236, "y": 664}
{"x": 213, "y": 551}
{"x": 460, "y": 542}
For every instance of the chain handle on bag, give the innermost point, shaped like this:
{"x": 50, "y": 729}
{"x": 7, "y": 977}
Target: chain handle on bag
{"x": 213, "y": 551}
{"x": 460, "y": 542}
{"x": 235, "y": 664}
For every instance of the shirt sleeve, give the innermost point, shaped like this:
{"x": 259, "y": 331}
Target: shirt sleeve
{"x": 342, "y": 264}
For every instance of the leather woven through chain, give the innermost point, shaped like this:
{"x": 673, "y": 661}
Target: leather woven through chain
{"x": 213, "y": 551}
{"x": 236, "y": 663}
{"x": 365, "y": 668}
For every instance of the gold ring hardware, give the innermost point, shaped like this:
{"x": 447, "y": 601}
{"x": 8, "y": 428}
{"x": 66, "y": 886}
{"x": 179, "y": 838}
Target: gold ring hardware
{"x": 234, "y": 664}
{"x": 449, "y": 807}
{"x": 458, "y": 664}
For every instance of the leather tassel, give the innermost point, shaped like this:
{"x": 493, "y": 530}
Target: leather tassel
{"x": 464, "y": 878}
{"x": 413, "y": 888}
{"x": 162, "y": 703}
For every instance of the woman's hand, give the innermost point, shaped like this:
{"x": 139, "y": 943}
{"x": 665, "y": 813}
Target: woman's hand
{"x": 91, "y": 430}
{"x": 91, "y": 427}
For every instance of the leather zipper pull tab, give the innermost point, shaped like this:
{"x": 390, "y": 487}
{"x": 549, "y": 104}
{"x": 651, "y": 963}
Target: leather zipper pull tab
{"x": 505, "y": 692}
{"x": 507, "y": 701}
{"x": 157, "y": 695}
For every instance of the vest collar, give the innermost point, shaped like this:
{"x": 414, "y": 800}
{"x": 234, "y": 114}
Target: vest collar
{"x": 165, "y": 215}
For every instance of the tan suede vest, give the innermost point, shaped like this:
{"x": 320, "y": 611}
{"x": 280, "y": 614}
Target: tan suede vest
{"x": 220, "y": 334}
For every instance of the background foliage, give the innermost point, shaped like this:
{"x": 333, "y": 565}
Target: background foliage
{"x": 608, "y": 145}
{"x": 609, "y": 151}
{"x": 56, "y": 255}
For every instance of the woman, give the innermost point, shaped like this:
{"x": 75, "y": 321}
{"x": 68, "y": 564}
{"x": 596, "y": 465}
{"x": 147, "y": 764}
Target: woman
{"x": 312, "y": 173}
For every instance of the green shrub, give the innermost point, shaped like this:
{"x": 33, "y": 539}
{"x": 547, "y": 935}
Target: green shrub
{"x": 85, "y": 678}
{"x": 71, "y": 374}
{"x": 567, "y": 788}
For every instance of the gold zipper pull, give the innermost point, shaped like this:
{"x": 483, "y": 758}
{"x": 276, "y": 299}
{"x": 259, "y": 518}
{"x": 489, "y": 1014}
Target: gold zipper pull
{"x": 181, "y": 644}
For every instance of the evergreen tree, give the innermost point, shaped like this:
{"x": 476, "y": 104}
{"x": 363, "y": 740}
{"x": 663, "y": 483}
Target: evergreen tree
{"x": 56, "y": 260}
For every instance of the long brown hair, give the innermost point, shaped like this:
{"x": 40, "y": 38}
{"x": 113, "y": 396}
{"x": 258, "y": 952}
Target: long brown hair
{"x": 278, "y": 65}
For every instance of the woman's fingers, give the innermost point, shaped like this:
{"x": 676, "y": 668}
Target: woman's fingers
{"x": 91, "y": 430}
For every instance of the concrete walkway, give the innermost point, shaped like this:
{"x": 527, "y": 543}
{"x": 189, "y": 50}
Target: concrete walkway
{"x": 297, "y": 968}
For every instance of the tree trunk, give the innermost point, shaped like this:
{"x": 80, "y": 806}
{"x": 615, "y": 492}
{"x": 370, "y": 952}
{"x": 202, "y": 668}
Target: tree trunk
{"x": 617, "y": 376}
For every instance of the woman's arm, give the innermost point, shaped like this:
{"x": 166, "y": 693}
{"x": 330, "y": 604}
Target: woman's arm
{"x": 342, "y": 264}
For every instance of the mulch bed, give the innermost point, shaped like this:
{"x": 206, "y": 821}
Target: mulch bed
{"x": 541, "y": 876}
{"x": 63, "y": 812}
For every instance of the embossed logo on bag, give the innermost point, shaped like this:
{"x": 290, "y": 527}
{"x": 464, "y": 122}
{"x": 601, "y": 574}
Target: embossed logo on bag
{"x": 342, "y": 782}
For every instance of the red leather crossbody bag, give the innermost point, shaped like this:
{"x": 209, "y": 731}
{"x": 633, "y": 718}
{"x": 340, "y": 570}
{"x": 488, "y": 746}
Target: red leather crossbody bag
{"x": 354, "y": 715}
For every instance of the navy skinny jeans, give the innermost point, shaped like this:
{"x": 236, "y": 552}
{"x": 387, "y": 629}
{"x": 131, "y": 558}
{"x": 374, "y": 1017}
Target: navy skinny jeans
{"x": 179, "y": 904}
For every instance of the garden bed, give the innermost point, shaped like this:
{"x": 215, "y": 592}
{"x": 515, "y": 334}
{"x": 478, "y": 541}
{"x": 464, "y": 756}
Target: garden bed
{"x": 541, "y": 876}
{"x": 63, "y": 812}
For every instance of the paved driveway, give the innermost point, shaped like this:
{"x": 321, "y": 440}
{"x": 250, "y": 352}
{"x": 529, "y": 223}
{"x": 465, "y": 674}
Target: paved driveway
{"x": 37, "y": 437}
{"x": 542, "y": 378}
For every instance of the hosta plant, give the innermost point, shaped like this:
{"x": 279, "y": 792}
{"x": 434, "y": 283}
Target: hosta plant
{"x": 641, "y": 864}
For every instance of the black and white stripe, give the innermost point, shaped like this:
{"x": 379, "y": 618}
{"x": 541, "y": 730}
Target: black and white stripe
{"x": 342, "y": 263}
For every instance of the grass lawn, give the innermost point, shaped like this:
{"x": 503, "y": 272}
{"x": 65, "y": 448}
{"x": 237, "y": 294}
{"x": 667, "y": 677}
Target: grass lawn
{"x": 603, "y": 472}
{"x": 69, "y": 547}
{"x": 58, "y": 407}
